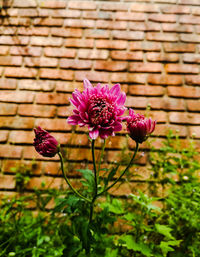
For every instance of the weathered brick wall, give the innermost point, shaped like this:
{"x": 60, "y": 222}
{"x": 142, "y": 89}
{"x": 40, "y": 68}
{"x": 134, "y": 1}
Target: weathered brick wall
{"x": 48, "y": 47}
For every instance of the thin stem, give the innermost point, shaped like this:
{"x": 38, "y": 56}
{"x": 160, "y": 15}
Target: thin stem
{"x": 101, "y": 156}
{"x": 128, "y": 166}
{"x": 95, "y": 169}
{"x": 95, "y": 182}
{"x": 68, "y": 182}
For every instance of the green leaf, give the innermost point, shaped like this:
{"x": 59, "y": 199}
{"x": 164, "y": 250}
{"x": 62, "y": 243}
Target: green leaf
{"x": 166, "y": 246}
{"x": 131, "y": 244}
{"x": 114, "y": 207}
{"x": 164, "y": 230}
{"x": 111, "y": 252}
{"x": 88, "y": 178}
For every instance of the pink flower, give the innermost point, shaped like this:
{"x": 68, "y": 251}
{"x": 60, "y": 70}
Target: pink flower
{"x": 139, "y": 127}
{"x": 44, "y": 143}
{"x": 99, "y": 108}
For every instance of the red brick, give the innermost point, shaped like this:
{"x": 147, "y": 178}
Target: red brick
{"x": 8, "y": 83}
{"x": 128, "y": 78}
{"x": 25, "y": 12}
{"x": 48, "y": 21}
{"x": 24, "y": 4}
{"x": 150, "y": 26}
{"x": 37, "y": 110}
{"x": 68, "y": 86}
{"x": 110, "y": 65}
{"x": 21, "y": 137}
{"x": 10, "y": 61}
{"x": 93, "y": 54}
{"x": 59, "y": 52}
{"x": 163, "y": 129}
{"x": 145, "y": 67}
{"x": 123, "y": 55}
{"x": 184, "y": 118}
{"x": 7, "y": 182}
{"x": 145, "y": 46}
{"x": 85, "y": 5}
{"x": 65, "y": 111}
{"x": 128, "y": 35}
{"x": 116, "y": 156}
{"x": 56, "y": 74}
{"x": 184, "y": 92}
{"x": 30, "y": 153}
{"x": 46, "y": 183}
{"x": 103, "y": 24}
{"x": 165, "y": 79}
{"x": 44, "y": 41}
{"x": 189, "y": 19}
{"x": 162, "y": 17}
{"x": 193, "y": 105}
{"x": 66, "y": 32}
{"x": 182, "y": 68}
{"x": 8, "y": 109}
{"x": 177, "y": 9}
{"x": 97, "y": 76}
{"x": 162, "y": 57}
{"x": 52, "y": 168}
{"x": 190, "y": 38}
{"x": 3, "y": 136}
{"x": 192, "y": 79}
{"x": 16, "y": 122}
{"x": 75, "y": 64}
{"x": 54, "y": 4}
{"x": 25, "y": 51}
{"x": 16, "y": 96}
{"x": 65, "y": 13}
{"x": 36, "y": 31}
{"x": 179, "y": 47}
{"x": 8, "y": 30}
{"x": 10, "y": 151}
{"x": 14, "y": 40}
{"x": 12, "y": 21}
{"x": 114, "y": 7}
{"x": 130, "y": 16}
{"x": 71, "y": 139}
{"x": 20, "y": 72}
{"x": 94, "y": 33}
{"x": 194, "y": 131}
{"x": 169, "y": 27}
{"x": 155, "y": 103}
{"x": 36, "y": 85}
{"x": 76, "y": 23}
{"x": 163, "y": 37}
{"x": 53, "y": 124}
{"x": 108, "y": 44}
{"x": 138, "y": 7}
{"x": 40, "y": 62}
{"x": 76, "y": 42}
{"x": 146, "y": 90}
{"x": 190, "y": 2}
{"x": 95, "y": 15}
{"x": 4, "y": 50}
{"x": 52, "y": 98}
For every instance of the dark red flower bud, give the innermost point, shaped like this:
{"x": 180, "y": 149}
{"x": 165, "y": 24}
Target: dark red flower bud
{"x": 44, "y": 143}
{"x": 139, "y": 127}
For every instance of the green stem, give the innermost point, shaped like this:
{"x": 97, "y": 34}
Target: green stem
{"x": 68, "y": 182}
{"x": 95, "y": 182}
{"x": 101, "y": 156}
{"x": 128, "y": 166}
{"x": 95, "y": 169}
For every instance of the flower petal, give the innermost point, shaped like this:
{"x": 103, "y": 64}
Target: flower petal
{"x": 94, "y": 134}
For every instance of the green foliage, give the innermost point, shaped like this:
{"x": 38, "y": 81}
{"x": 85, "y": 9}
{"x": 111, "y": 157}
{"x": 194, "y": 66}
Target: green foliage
{"x": 126, "y": 227}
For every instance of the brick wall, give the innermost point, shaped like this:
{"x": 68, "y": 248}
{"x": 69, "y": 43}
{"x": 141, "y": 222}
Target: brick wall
{"x": 46, "y": 49}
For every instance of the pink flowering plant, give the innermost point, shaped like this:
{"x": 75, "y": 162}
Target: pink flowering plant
{"x": 102, "y": 110}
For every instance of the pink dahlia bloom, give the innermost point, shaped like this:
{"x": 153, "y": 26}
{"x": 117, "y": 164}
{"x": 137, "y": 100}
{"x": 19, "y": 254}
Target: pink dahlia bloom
{"x": 99, "y": 108}
{"x": 44, "y": 143}
{"x": 139, "y": 127}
